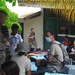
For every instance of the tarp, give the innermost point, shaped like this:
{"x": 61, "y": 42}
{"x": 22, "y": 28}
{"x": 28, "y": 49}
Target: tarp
{"x": 22, "y": 11}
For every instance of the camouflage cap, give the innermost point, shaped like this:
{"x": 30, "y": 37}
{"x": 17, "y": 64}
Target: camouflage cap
{"x": 22, "y": 47}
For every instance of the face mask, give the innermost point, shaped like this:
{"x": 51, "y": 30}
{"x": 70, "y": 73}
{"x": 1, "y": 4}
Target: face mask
{"x": 48, "y": 39}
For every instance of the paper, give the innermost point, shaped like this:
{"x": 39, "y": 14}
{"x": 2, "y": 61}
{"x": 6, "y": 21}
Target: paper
{"x": 33, "y": 66}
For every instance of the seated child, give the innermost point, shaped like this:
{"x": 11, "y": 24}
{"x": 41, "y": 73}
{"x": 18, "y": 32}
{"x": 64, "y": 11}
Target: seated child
{"x": 41, "y": 64}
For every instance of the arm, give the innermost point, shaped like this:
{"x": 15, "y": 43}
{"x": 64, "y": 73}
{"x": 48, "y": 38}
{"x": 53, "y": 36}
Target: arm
{"x": 31, "y": 37}
{"x": 50, "y": 58}
{"x": 28, "y": 72}
{"x": 28, "y": 67}
{"x": 51, "y": 53}
{"x": 20, "y": 38}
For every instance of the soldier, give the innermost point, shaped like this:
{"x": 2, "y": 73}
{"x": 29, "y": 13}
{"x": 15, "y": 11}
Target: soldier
{"x": 32, "y": 40}
{"x": 4, "y": 35}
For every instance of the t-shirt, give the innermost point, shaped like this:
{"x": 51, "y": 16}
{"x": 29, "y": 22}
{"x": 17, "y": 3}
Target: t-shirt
{"x": 23, "y": 62}
{"x": 67, "y": 43}
{"x": 30, "y": 35}
{"x": 14, "y": 40}
{"x": 55, "y": 50}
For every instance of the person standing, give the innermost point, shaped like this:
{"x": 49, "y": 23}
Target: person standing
{"x": 14, "y": 39}
{"x": 32, "y": 39}
{"x": 4, "y": 37}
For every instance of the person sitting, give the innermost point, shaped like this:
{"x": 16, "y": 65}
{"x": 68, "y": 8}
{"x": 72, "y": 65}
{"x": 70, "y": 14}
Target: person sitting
{"x": 10, "y": 68}
{"x": 23, "y": 61}
{"x": 41, "y": 66}
{"x": 55, "y": 55}
{"x": 66, "y": 41}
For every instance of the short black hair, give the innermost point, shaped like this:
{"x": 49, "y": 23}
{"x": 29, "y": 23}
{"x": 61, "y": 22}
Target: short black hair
{"x": 66, "y": 37}
{"x": 51, "y": 32}
{"x": 14, "y": 26}
{"x": 32, "y": 28}
{"x": 43, "y": 63}
{"x": 10, "y": 68}
{"x": 21, "y": 53}
{"x": 1, "y": 11}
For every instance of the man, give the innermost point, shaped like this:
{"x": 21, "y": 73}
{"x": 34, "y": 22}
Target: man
{"x": 14, "y": 39}
{"x": 4, "y": 36}
{"x": 55, "y": 54}
{"x": 32, "y": 40}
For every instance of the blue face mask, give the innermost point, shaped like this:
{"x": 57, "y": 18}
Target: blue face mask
{"x": 48, "y": 39}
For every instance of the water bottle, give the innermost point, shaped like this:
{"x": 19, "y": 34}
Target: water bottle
{"x": 70, "y": 61}
{"x": 48, "y": 51}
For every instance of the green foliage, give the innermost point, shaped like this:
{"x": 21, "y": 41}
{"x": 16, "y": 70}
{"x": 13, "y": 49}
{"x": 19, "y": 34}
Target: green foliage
{"x": 12, "y": 17}
{"x": 11, "y": 1}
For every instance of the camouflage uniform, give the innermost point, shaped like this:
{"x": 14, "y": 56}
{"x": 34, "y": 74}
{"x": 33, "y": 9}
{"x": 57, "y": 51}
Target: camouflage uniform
{"x": 2, "y": 48}
{"x": 32, "y": 41}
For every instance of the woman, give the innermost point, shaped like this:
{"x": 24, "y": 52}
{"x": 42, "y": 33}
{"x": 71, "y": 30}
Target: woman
{"x": 9, "y": 68}
{"x": 23, "y": 62}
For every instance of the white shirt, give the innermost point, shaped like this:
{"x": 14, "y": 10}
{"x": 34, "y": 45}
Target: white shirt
{"x": 23, "y": 62}
{"x": 14, "y": 40}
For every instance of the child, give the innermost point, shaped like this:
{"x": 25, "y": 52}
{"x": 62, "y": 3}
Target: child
{"x": 41, "y": 63}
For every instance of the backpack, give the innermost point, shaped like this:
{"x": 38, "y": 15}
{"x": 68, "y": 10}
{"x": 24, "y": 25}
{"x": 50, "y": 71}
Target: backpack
{"x": 65, "y": 54}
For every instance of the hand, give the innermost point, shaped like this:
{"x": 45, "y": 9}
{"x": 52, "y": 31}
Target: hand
{"x": 7, "y": 43}
{"x": 32, "y": 37}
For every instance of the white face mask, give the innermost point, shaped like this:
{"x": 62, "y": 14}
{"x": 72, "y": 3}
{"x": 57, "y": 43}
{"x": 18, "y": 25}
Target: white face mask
{"x": 48, "y": 39}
